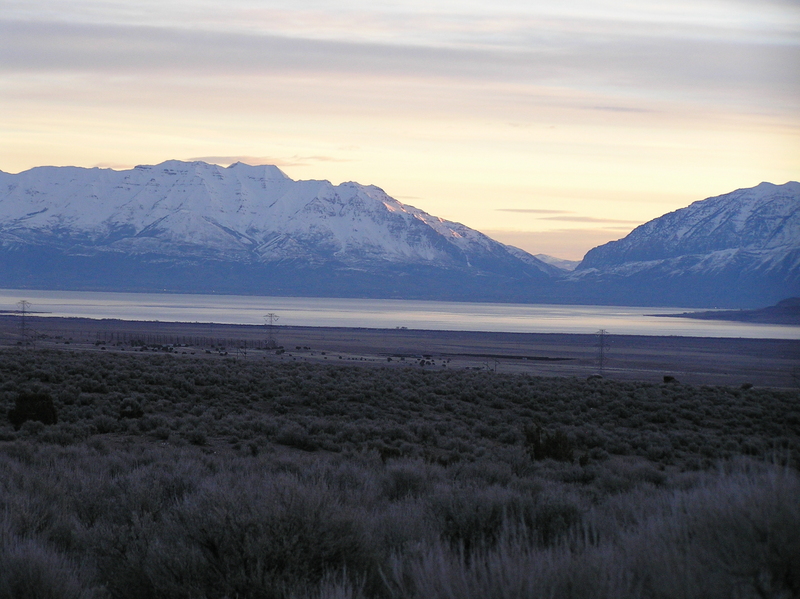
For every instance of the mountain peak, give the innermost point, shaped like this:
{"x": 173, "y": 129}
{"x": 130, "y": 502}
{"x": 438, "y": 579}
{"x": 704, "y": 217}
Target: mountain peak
{"x": 741, "y": 246}
{"x": 267, "y": 170}
{"x": 199, "y": 227}
{"x": 752, "y": 219}
{"x": 242, "y": 213}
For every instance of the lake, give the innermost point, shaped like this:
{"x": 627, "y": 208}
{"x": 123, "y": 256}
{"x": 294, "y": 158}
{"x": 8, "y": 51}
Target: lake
{"x": 412, "y": 314}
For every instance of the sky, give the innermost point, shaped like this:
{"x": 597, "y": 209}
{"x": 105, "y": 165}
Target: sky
{"x": 551, "y": 126}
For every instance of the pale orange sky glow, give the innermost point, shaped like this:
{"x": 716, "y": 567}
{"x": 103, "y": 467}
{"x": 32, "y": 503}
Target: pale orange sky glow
{"x": 553, "y": 128}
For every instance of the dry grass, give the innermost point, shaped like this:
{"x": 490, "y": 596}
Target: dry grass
{"x": 180, "y": 478}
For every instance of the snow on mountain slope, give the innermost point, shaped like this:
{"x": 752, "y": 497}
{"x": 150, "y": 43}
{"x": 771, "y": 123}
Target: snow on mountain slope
{"x": 763, "y": 220}
{"x": 196, "y": 227}
{"x": 741, "y": 249}
{"x": 568, "y": 265}
{"x": 240, "y": 213}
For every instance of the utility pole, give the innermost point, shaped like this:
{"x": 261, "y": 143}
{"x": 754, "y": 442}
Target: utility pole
{"x": 601, "y": 349}
{"x": 270, "y": 320}
{"x": 24, "y": 306}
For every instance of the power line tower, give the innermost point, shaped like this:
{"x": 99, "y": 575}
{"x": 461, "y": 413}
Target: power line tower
{"x": 270, "y": 320}
{"x": 24, "y": 307}
{"x": 602, "y": 343}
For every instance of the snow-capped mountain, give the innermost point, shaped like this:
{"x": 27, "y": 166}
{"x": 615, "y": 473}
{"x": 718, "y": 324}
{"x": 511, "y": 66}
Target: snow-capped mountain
{"x": 197, "y": 227}
{"x": 568, "y": 265}
{"x": 741, "y": 249}
{"x": 240, "y": 224}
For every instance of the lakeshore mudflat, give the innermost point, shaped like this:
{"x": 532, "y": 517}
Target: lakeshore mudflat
{"x": 695, "y": 360}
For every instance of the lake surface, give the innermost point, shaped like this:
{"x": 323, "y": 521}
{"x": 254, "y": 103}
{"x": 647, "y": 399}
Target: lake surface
{"x": 331, "y": 312}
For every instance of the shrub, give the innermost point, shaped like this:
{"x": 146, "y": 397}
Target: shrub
{"x": 406, "y": 480}
{"x": 29, "y": 570}
{"x": 296, "y": 436}
{"x": 33, "y": 405}
{"x": 196, "y": 437}
{"x": 105, "y": 424}
{"x": 728, "y": 535}
{"x": 130, "y": 408}
{"x": 541, "y": 445}
{"x": 473, "y": 517}
{"x": 248, "y": 539}
{"x": 554, "y": 517}
{"x": 32, "y": 428}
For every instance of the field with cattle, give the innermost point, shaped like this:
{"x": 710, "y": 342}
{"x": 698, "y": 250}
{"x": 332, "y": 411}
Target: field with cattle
{"x": 136, "y": 475}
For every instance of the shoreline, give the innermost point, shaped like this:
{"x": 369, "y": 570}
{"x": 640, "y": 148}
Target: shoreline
{"x": 92, "y": 322}
{"x": 743, "y": 316}
{"x": 695, "y": 360}
{"x": 785, "y": 312}
{"x": 424, "y": 315}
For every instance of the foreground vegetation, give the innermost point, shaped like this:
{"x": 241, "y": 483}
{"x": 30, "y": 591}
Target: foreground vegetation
{"x": 178, "y": 477}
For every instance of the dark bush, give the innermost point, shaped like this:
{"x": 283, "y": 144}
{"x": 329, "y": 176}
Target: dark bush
{"x": 130, "y": 408}
{"x": 239, "y": 541}
{"x": 105, "y": 424}
{"x": 554, "y": 517}
{"x": 296, "y": 436}
{"x": 33, "y": 405}
{"x": 475, "y": 517}
{"x": 196, "y": 437}
{"x": 405, "y": 480}
{"x": 29, "y": 570}
{"x": 542, "y": 445}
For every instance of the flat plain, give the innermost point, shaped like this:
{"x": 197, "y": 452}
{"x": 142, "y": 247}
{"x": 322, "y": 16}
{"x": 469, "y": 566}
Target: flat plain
{"x": 182, "y": 461}
{"x": 696, "y": 360}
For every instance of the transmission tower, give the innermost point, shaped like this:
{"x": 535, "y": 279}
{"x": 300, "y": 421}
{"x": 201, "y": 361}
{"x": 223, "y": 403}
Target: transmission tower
{"x": 270, "y": 320}
{"x": 601, "y": 348}
{"x": 24, "y": 307}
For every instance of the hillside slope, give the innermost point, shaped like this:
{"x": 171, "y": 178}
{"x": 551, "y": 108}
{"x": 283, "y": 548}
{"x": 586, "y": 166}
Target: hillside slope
{"x": 242, "y": 229}
{"x": 741, "y": 249}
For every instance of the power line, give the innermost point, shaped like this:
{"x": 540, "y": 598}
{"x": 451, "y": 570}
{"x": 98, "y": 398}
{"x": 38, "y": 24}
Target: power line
{"x": 270, "y": 319}
{"x": 24, "y": 306}
{"x": 601, "y": 349}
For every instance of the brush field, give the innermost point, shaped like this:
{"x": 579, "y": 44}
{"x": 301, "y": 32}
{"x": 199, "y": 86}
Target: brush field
{"x": 178, "y": 477}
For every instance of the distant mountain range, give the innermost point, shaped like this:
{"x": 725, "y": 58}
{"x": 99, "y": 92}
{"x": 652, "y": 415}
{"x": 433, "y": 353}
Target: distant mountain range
{"x": 200, "y": 228}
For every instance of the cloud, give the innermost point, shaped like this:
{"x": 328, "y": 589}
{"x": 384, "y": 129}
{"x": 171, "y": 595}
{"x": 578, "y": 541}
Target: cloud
{"x": 118, "y": 48}
{"x": 591, "y": 219}
{"x": 621, "y": 109}
{"x": 533, "y": 211}
{"x": 650, "y": 63}
{"x": 568, "y": 216}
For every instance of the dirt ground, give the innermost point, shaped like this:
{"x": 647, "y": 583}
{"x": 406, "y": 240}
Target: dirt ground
{"x": 695, "y": 360}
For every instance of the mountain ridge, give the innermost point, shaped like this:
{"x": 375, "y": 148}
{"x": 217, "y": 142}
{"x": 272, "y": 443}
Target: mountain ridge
{"x": 271, "y": 216}
{"x": 740, "y": 249}
{"x": 197, "y": 227}
{"x": 687, "y": 229}
{"x": 241, "y": 219}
